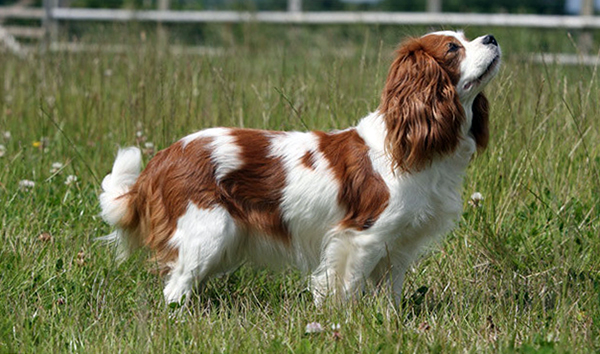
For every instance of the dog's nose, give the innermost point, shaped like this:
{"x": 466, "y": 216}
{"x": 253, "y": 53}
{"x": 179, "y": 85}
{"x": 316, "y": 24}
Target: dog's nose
{"x": 489, "y": 39}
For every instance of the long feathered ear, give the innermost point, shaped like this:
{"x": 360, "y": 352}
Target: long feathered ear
{"x": 421, "y": 109}
{"x": 479, "y": 126}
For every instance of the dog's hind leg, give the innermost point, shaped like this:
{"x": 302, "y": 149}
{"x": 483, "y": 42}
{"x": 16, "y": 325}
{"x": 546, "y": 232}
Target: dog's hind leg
{"x": 207, "y": 241}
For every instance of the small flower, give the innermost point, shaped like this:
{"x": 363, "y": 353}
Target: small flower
{"x": 2, "y": 150}
{"x": 26, "y": 184}
{"x": 148, "y": 148}
{"x": 139, "y": 137}
{"x": 45, "y": 237}
{"x": 42, "y": 143}
{"x": 313, "y": 327}
{"x": 476, "y": 200}
{"x": 56, "y": 167}
{"x": 71, "y": 179}
{"x": 7, "y": 135}
{"x": 108, "y": 72}
{"x": 336, "y": 331}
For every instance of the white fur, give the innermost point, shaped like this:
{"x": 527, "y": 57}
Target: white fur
{"x": 207, "y": 243}
{"x": 206, "y": 133}
{"x": 309, "y": 203}
{"x": 225, "y": 154}
{"x": 125, "y": 172}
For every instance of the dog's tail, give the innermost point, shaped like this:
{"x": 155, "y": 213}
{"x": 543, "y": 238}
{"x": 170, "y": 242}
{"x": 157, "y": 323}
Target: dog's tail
{"x": 115, "y": 198}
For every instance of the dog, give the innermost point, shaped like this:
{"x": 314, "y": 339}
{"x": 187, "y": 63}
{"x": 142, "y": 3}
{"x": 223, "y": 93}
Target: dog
{"x": 348, "y": 206}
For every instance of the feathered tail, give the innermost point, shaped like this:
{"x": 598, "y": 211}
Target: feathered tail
{"x": 113, "y": 200}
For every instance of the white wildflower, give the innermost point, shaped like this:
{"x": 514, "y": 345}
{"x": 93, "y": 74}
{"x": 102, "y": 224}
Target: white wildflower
{"x": 108, "y": 72}
{"x": 56, "y": 166}
{"x": 2, "y": 150}
{"x": 335, "y": 327}
{"x": 7, "y": 135}
{"x": 476, "y": 200}
{"x": 26, "y": 184}
{"x": 313, "y": 327}
{"x": 139, "y": 136}
{"x": 71, "y": 179}
{"x": 148, "y": 148}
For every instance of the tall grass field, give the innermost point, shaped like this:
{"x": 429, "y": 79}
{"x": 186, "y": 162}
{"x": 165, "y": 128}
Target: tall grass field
{"x": 519, "y": 274}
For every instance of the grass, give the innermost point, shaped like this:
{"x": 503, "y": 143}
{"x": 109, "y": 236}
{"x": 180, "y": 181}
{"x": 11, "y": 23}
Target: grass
{"x": 519, "y": 274}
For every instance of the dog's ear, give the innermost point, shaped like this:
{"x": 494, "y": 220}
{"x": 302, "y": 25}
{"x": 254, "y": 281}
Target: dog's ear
{"x": 421, "y": 109}
{"x": 479, "y": 126}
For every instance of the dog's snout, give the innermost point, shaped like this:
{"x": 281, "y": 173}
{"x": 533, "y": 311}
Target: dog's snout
{"x": 489, "y": 39}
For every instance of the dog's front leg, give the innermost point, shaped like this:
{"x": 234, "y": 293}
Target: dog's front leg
{"x": 347, "y": 263}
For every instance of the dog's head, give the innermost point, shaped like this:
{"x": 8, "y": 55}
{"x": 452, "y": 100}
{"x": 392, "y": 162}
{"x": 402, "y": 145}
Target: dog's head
{"x": 432, "y": 85}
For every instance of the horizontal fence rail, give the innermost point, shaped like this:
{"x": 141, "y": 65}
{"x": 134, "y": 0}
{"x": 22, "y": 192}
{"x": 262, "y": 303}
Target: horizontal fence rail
{"x": 22, "y": 12}
{"x": 384, "y": 18}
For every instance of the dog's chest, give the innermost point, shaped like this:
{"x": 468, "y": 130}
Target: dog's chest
{"x": 428, "y": 202}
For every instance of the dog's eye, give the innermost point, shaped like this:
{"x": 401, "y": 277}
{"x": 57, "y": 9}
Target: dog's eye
{"x": 453, "y": 47}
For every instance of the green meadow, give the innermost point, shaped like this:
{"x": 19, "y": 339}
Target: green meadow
{"x": 519, "y": 274}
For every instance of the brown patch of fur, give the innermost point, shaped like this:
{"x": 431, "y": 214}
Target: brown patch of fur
{"x": 252, "y": 194}
{"x": 173, "y": 178}
{"x": 422, "y": 111}
{"x": 178, "y": 175}
{"x": 308, "y": 160}
{"x": 363, "y": 192}
{"x": 479, "y": 126}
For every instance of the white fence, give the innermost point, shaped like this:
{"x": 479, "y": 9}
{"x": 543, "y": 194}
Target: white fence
{"x": 386, "y": 18}
{"x": 51, "y": 15}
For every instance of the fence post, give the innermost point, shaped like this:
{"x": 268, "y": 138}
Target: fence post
{"x": 49, "y": 23}
{"x": 161, "y": 31}
{"x": 585, "y": 37}
{"x": 434, "y": 6}
{"x": 294, "y": 5}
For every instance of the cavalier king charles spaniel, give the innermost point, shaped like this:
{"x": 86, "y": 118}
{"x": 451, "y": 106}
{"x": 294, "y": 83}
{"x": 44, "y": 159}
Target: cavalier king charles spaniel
{"x": 348, "y": 206}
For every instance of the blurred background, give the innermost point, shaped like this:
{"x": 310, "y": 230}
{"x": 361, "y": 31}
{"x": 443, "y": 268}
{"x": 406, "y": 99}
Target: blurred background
{"x": 505, "y": 6}
{"x": 48, "y": 22}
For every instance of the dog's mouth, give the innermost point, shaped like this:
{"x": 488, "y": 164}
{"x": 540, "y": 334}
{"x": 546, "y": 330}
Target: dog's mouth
{"x": 489, "y": 72}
